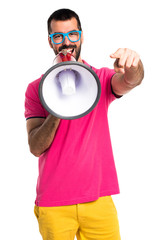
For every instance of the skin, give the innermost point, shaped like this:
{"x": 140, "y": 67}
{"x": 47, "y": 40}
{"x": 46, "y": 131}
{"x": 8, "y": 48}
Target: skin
{"x": 129, "y": 74}
{"x": 65, "y": 26}
{"x": 129, "y": 71}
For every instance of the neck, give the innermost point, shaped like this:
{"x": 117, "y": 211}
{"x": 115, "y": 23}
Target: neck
{"x": 80, "y": 60}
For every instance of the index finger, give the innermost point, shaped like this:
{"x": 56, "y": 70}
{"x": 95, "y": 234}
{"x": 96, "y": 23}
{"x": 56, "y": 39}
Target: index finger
{"x": 117, "y": 54}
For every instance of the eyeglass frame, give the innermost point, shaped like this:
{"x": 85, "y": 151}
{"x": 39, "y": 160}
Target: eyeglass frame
{"x": 64, "y": 35}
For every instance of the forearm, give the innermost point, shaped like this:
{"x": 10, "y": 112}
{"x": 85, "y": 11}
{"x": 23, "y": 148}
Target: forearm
{"x": 41, "y": 137}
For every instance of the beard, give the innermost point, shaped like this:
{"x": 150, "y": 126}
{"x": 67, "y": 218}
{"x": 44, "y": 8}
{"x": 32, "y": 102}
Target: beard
{"x": 77, "y": 50}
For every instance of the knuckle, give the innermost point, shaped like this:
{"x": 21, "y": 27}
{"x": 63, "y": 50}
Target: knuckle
{"x": 127, "y": 66}
{"x": 126, "y": 50}
{"x": 121, "y": 65}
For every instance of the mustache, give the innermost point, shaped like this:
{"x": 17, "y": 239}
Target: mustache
{"x": 67, "y": 47}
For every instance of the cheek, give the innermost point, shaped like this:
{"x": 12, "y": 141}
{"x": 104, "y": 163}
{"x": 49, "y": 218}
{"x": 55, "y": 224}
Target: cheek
{"x": 56, "y": 49}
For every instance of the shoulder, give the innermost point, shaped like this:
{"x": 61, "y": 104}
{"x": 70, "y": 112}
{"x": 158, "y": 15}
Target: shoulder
{"x": 33, "y": 106}
{"x": 34, "y": 84}
{"x": 32, "y": 88}
{"x": 104, "y": 72}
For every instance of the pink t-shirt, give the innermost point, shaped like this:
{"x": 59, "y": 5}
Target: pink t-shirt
{"x": 79, "y": 165}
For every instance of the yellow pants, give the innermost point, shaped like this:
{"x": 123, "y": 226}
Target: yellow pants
{"x": 95, "y": 220}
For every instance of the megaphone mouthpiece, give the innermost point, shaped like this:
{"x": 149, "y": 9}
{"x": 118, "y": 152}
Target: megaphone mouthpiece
{"x": 64, "y": 56}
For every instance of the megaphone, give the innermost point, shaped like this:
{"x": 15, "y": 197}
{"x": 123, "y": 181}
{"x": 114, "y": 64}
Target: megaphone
{"x": 69, "y": 89}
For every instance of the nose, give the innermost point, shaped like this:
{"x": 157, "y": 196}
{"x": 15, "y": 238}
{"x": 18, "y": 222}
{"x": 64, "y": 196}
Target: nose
{"x": 66, "y": 41}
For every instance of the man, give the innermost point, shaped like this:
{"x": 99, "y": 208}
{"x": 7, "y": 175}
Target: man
{"x": 77, "y": 174}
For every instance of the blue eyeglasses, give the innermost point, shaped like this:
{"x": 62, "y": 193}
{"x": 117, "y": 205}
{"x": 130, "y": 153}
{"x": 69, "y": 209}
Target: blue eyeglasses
{"x": 73, "y": 36}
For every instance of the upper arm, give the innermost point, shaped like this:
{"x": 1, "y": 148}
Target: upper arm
{"x": 33, "y": 123}
{"x": 33, "y": 107}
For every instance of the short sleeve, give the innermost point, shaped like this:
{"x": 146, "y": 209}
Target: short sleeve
{"x": 110, "y": 94}
{"x": 105, "y": 75}
{"x": 33, "y": 106}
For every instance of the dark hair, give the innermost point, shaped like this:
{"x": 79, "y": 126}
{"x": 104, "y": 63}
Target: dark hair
{"x": 62, "y": 15}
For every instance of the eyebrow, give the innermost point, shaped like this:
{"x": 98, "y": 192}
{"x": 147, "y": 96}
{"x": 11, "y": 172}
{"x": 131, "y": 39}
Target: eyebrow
{"x": 68, "y": 31}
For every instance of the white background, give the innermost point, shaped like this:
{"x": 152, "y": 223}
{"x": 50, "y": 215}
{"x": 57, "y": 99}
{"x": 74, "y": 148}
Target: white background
{"x": 134, "y": 119}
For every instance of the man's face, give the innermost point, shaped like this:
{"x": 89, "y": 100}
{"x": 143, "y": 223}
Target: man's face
{"x": 64, "y": 27}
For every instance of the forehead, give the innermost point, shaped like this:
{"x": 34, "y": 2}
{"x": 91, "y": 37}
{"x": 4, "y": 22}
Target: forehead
{"x": 64, "y": 26}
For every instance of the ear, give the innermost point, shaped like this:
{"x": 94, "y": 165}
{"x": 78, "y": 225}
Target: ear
{"x": 50, "y": 42}
{"x": 82, "y": 37}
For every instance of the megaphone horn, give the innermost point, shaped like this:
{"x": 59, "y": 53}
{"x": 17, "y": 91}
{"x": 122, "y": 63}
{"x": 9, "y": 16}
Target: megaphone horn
{"x": 69, "y": 89}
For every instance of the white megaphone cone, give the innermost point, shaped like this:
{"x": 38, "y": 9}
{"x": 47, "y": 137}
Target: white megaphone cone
{"x": 69, "y": 89}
